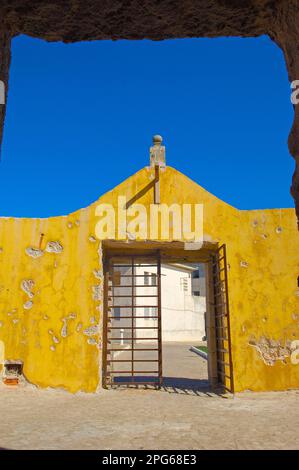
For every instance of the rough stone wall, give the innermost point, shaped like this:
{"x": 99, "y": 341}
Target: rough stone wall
{"x": 80, "y": 20}
{"x": 5, "y": 56}
{"x": 286, "y": 34}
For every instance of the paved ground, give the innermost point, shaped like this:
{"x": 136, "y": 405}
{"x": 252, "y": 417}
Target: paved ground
{"x": 176, "y": 417}
{"x": 182, "y": 368}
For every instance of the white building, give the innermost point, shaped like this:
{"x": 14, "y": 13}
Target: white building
{"x": 183, "y": 303}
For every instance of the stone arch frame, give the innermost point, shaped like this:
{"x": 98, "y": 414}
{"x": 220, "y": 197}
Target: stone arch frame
{"x": 84, "y": 20}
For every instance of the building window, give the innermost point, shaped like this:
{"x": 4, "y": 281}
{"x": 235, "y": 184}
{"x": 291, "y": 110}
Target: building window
{"x": 150, "y": 279}
{"x": 116, "y": 311}
{"x": 150, "y": 312}
{"x": 184, "y": 284}
{"x": 154, "y": 279}
{"x": 196, "y": 293}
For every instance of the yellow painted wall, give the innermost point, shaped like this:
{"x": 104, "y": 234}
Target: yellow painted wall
{"x": 58, "y": 333}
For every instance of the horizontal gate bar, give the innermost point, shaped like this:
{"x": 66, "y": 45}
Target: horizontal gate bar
{"x": 130, "y": 339}
{"x": 131, "y": 317}
{"x": 132, "y": 349}
{"x": 133, "y": 296}
{"x": 220, "y": 281}
{"x": 132, "y": 360}
{"x": 218, "y": 260}
{"x": 224, "y": 374}
{"x": 134, "y": 372}
{"x": 222, "y": 350}
{"x": 123, "y": 382}
{"x": 132, "y": 306}
{"x": 132, "y": 328}
{"x": 223, "y": 363}
{"x": 135, "y": 285}
{"x": 219, "y": 270}
{"x": 131, "y": 275}
{"x": 137, "y": 265}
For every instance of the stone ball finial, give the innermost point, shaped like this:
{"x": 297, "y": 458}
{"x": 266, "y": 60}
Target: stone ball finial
{"x": 157, "y": 139}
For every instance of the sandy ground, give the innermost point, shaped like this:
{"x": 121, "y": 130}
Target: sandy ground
{"x": 182, "y": 415}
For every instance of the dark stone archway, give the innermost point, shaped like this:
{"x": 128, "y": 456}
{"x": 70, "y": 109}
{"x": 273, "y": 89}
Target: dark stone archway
{"x": 83, "y": 20}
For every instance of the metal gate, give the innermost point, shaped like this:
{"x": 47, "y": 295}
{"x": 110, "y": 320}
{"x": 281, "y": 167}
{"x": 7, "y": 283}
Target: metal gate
{"x": 132, "y": 346}
{"x": 222, "y": 320}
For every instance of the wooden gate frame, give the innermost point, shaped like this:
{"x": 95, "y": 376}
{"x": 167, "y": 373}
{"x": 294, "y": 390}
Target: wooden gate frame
{"x": 220, "y": 363}
{"x": 174, "y": 251}
{"x": 155, "y": 256}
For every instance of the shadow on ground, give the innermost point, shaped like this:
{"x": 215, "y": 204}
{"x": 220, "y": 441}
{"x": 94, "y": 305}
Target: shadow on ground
{"x": 186, "y": 385}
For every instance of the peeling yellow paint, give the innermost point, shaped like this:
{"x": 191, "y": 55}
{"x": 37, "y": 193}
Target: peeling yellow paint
{"x": 62, "y": 259}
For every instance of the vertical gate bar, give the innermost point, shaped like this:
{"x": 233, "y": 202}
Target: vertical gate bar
{"x": 159, "y": 316}
{"x": 211, "y": 325}
{"x": 221, "y": 306}
{"x": 228, "y": 322}
{"x": 105, "y": 322}
{"x": 218, "y": 310}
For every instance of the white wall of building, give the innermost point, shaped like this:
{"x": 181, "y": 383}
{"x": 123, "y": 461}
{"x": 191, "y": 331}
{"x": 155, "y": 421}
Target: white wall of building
{"x": 182, "y": 312}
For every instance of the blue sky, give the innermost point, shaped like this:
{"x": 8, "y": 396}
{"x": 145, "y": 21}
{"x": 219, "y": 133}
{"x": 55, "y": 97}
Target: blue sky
{"x": 81, "y": 117}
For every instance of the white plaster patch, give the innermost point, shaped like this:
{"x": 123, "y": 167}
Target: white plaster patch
{"x": 79, "y": 327}
{"x": 52, "y": 348}
{"x": 91, "y": 341}
{"x": 27, "y": 286}
{"x": 1, "y": 324}
{"x": 97, "y": 274}
{"x": 244, "y": 264}
{"x": 64, "y": 331}
{"x": 271, "y": 350}
{"x": 28, "y": 305}
{"x": 34, "y": 252}
{"x": 54, "y": 247}
{"x": 96, "y": 292}
{"x": 278, "y": 229}
{"x": 15, "y": 321}
{"x": 92, "y": 239}
{"x": 91, "y": 330}
{"x": 295, "y": 352}
{"x": 70, "y": 225}
{"x": 55, "y": 339}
